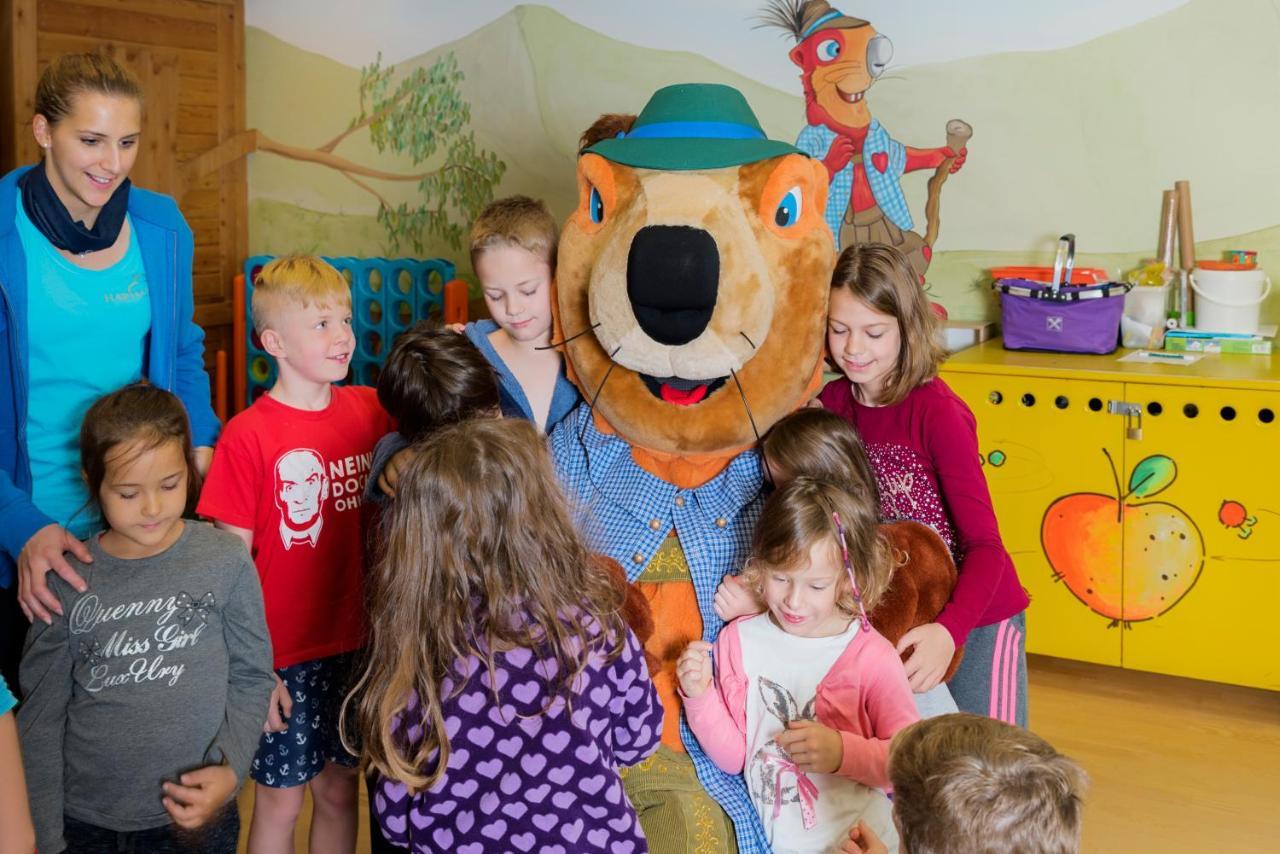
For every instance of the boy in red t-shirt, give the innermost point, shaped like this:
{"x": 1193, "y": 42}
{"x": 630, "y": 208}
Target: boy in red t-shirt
{"x": 287, "y": 477}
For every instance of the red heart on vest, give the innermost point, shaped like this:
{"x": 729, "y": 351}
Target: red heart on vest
{"x": 880, "y": 160}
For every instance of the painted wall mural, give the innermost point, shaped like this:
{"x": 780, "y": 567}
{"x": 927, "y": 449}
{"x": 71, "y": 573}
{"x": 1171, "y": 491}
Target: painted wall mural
{"x": 1079, "y": 123}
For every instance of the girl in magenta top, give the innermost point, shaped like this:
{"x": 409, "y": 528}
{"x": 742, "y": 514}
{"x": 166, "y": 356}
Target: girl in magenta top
{"x": 923, "y": 444}
{"x": 807, "y": 694}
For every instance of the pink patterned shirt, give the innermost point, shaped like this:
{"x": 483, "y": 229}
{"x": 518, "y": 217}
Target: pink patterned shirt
{"x": 925, "y": 454}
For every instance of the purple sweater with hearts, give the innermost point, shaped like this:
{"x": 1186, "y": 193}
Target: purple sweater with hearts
{"x": 523, "y": 779}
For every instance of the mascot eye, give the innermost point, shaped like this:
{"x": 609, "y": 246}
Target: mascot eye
{"x": 828, "y": 50}
{"x": 789, "y": 209}
{"x": 879, "y": 52}
{"x": 595, "y": 206}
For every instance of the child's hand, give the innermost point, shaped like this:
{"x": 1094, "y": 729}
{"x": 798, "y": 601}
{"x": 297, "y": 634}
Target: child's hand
{"x": 198, "y": 795}
{"x": 734, "y": 600}
{"x": 280, "y": 707}
{"x": 934, "y": 650}
{"x": 459, "y": 328}
{"x": 812, "y": 746}
{"x": 390, "y": 475}
{"x": 693, "y": 669}
{"x": 862, "y": 840}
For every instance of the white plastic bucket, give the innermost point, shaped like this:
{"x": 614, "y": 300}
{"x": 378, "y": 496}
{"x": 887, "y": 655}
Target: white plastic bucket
{"x": 1229, "y": 300}
{"x": 1148, "y": 304}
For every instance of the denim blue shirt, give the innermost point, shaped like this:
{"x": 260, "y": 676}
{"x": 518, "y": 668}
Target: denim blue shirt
{"x": 619, "y": 503}
{"x": 514, "y": 402}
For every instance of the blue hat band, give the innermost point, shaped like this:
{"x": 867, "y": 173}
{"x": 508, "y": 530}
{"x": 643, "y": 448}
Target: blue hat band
{"x": 813, "y": 28}
{"x": 694, "y": 130}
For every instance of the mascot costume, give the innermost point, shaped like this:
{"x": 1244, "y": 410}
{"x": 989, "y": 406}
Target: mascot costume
{"x": 840, "y": 57}
{"x": 691, "y": 294}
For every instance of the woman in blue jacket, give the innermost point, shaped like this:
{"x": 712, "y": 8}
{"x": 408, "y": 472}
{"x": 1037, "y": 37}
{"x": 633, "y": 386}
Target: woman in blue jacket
{"x": 95, "y": 292}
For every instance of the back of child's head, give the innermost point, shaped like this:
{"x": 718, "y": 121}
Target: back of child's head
{"x": 128, "y": 422}
{"x": 880, "y": 276}
{"x": 433, "y": 377}
{"x": 515, "y": 221}
{"x": 478, "y": 554}
{"x": 817, "y": 443}
{"x": 801, "y": 514}
{"x": 295, "y": 281}
{"x": 968, "y": 783}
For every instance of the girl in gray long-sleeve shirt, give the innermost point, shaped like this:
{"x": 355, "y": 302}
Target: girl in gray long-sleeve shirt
{"x": 146, "y": 697}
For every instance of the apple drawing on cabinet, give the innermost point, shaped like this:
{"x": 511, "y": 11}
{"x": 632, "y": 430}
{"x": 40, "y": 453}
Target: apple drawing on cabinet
{"x": 1161, "y": 548}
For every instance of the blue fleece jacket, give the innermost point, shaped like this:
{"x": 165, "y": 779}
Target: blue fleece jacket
{"x": 174, "y": 350}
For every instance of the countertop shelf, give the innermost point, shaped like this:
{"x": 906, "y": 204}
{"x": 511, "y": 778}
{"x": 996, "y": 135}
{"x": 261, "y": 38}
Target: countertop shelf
{"x": 1228, "y": 370}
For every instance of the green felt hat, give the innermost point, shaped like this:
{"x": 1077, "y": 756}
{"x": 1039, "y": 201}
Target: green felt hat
{"x": 693, "y": 126}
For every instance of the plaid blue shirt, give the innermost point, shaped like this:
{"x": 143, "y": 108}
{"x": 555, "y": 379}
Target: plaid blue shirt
{"x": 619, "y": 502}
{"x": 815, "y": 140}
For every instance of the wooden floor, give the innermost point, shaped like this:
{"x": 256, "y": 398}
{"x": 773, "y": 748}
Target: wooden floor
{"x": 1176, "y": 765}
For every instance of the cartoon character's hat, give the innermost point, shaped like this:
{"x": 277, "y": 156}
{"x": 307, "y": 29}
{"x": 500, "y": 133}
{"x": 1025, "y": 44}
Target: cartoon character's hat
{"x": 819, "y": 15}
{"x": 693, "y": 126}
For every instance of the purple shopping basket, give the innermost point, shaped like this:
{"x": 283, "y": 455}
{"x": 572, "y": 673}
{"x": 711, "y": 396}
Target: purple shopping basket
{"x": 1061, "y": 318}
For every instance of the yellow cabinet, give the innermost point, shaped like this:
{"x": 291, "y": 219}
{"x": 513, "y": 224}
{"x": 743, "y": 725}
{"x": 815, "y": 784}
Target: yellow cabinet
{"x": 1140, "y": 503}
{"x": 1222, "y": 623}
{"x": 1035, "y": 435}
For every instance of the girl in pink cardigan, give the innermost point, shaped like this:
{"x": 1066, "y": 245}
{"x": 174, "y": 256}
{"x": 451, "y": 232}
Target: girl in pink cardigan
{"x": 807, "y": 694}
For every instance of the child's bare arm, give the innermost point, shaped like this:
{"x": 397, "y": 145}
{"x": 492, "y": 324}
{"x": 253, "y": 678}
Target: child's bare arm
{"x": 18, "y": 837}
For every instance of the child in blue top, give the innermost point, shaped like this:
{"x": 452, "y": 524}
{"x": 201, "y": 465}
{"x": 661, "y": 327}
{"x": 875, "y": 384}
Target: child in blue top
{"x": 513, "y": 248}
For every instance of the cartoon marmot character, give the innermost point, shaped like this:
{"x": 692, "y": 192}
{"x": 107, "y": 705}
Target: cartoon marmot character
{"x": 690, "y": 294}
{"x": 840, "y": 58}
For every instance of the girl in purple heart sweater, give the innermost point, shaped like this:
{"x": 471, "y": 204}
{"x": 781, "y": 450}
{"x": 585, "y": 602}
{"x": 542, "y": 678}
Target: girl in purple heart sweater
{"x": 503, "y": 687}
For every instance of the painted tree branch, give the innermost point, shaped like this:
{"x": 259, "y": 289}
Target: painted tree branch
{"x": 368, "y": 120}
{"x": 423, "y": 118}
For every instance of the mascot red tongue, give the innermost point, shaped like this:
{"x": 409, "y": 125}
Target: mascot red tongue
{"x": 691, "y": 287}
{"x": 691, "y": 294}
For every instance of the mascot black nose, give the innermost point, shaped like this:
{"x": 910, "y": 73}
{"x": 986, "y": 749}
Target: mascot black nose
{"x": 673, "y": 272}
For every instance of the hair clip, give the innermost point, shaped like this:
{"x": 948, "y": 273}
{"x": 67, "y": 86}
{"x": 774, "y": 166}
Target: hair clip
{"x": 848, "y": 567}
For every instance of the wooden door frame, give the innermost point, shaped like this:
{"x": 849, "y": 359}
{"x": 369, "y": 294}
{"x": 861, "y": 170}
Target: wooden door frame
{"x": 17, "y": 97}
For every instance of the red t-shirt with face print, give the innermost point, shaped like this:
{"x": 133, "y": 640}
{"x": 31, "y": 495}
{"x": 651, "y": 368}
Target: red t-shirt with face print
{"x": 296, "y": 479}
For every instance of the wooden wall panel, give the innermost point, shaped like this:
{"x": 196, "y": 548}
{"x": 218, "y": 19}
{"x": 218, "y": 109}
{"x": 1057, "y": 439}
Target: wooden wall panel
{"x": 189, "y": 56}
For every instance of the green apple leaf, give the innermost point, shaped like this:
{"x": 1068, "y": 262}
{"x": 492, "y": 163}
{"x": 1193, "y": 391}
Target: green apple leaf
{"x": 1152, "y": 475}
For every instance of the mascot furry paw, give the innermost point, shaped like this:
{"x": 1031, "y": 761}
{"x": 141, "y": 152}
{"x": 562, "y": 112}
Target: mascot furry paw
{"x": 691, "y": 294}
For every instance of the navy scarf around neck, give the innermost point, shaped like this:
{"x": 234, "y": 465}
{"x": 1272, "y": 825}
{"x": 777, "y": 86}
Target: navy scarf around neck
{"x": 49, "y": 215}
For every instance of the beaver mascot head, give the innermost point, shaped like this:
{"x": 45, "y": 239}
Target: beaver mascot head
{"x": 692, "y": 278}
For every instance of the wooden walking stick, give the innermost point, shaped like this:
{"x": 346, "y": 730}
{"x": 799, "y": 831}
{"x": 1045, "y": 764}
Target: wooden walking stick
{"x": 958, "y": 135}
